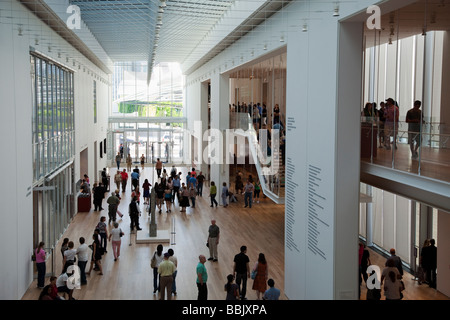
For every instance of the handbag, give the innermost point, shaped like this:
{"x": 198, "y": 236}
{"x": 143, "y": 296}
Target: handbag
{"x": 254, "y": 272}
{"x": 121, "y": 233}
{"x": 153, "y": 261}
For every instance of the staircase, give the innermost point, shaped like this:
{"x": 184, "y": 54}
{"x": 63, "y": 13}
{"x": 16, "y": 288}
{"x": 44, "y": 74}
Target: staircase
{"x": 270, "y": 169}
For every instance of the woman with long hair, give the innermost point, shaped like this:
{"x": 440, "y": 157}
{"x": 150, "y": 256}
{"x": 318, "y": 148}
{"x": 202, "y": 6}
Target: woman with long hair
{"x": 40, "y": 264}
{"x": 393, "y": 287}
{"x": 262, "y": 273}
{"x": 46, "y": 293}
{"x": 184, "y": 198}
{"x": 146, "y": 187}
{"x": 168, "y": 198}
{"x": 96, "y": 255}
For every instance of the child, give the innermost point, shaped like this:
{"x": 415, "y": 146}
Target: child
{"x": 231, "y": 196}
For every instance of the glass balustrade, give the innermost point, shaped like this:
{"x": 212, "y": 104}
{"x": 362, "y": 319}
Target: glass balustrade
{"x": 432, "y": 158}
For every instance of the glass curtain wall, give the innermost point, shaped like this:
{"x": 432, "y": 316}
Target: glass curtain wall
{"x": 53, "y": 148}
{"x": 147, "y": 119}
{"x": 406, "y": 68}
{"x": 396, "y": 223}
{"x": 53, "y": 208}
{"x": 52, "y": 117}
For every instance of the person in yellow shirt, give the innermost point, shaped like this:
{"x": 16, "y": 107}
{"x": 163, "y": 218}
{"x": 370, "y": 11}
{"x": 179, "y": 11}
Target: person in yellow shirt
{"x": 166, "y": 270}
{"x": 213, "y": 193}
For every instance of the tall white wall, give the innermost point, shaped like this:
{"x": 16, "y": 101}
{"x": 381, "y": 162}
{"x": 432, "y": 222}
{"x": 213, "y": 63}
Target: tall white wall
{"x": 16, "y": 230}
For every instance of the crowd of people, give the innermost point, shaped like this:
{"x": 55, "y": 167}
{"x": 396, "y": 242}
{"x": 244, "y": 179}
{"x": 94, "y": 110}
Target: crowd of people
{"x": 107, "y": 234}
{"x": 259, "y": 114}
{"x": 391, "y": 277}
{"x": 236, "y": 285}
{"x": 387, "y": 119}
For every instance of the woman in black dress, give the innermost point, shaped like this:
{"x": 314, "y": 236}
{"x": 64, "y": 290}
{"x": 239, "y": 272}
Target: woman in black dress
{"x": 96, "y": 255}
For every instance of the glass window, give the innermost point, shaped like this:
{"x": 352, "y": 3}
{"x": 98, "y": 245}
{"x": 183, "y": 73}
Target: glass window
{"x": 52, "y": 115}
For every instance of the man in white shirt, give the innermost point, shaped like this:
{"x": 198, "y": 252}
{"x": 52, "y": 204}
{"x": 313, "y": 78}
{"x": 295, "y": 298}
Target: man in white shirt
{"x": 61, "y": 284}
{"x": 83, "y": 257}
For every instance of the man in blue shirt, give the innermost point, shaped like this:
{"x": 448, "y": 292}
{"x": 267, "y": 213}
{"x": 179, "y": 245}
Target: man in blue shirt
{"x": 202, "y": 277}
{"x": 272, "y": 293}
{"x": 192, "y": 180}
{"x": 176, "y": 187}
{"x": 134, "y": 179}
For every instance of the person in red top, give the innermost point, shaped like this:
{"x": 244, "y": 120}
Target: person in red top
{"x": 124, "y": 175}
{"x": 54, "y": 289}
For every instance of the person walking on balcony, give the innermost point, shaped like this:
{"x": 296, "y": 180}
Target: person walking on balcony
{"x": 391, "y": 124}
{"x": 414, "y": 117}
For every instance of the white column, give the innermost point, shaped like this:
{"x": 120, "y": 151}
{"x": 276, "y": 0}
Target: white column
{"x": 220, "y": 121}
{"x": 323, "y": 159}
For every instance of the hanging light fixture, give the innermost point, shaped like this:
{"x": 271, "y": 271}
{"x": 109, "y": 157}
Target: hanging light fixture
{"x": 336, "y": 10}
{"x": 305, "y": 27}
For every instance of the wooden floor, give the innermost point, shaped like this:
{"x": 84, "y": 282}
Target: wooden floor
{"x": 260, "y": 228}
